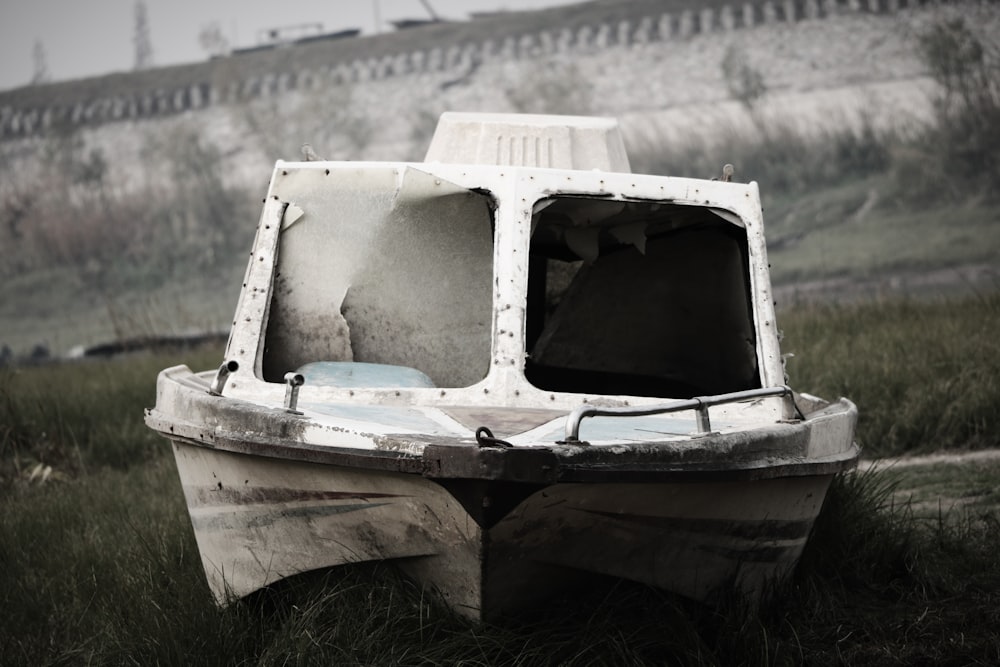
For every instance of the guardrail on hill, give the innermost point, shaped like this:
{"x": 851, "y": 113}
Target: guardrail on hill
{"x": 25, "y": 120}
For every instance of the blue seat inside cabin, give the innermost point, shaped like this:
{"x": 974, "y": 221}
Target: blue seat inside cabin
{"x": 356, "y": 374}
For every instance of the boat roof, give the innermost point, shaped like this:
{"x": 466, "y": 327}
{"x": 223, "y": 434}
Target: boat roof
{"x": 529, "y": 140}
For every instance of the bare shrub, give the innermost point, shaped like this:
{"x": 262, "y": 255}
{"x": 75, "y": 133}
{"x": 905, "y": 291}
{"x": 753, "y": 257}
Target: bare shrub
{"x": 194, "y": 216}
{"x": 785, "y": 159}
{"x": 330, "y": 118}
{"x": 744, "y": 82}
{"x": 956, "y": 155}
{"x": 71, "y": 216}
{"x": 15, "y": 218}
{"x": 65, "y": 214}
{"x": 550, "y": 88}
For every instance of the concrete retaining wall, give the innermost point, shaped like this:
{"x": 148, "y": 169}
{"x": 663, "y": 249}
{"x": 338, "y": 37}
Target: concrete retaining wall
{"x": 669, "y": 35}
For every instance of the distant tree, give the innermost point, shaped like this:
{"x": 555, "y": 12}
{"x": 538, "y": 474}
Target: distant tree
{"x": 40, "y": 72}
{"x": 143, "y": 44}
{"x": 745, "y": 83}
{"x": 967, "y": 107}
{"x": 958, "y": 61}
{"x": 212, "y": 41}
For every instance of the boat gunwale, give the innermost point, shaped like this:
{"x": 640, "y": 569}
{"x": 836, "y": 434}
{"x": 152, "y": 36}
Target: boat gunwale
{"x": 546, "y": 464}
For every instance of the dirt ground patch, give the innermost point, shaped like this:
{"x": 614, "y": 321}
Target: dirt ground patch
{"x": 985, "y": 455}
{"x": 945, "y": 281}
{"x": 945, "y": 486}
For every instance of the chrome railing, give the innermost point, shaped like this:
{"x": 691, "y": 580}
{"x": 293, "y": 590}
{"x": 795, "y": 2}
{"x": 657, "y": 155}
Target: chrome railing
{"x": 699, "y": 404}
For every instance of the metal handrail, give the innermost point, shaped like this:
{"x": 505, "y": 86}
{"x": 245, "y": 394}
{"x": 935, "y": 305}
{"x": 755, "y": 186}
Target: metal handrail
{"x": 227, "y": 367}
{"x": 700, "y": 404}
{"x": 293, "y": 381}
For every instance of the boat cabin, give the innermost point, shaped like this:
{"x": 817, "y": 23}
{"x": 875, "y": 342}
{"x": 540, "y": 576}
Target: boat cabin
{"x": 531, "y": 281}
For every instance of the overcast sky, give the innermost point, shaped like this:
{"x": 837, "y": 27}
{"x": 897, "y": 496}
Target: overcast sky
{"x": 92, "y": 37}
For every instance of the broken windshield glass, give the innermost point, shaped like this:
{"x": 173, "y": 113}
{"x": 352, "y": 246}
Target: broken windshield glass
{"x": 386, "y": 267}
{"x": 638, "y": 298}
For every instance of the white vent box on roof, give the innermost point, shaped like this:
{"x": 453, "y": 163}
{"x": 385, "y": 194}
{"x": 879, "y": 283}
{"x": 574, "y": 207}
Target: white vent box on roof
{"x": 529, "y": 140}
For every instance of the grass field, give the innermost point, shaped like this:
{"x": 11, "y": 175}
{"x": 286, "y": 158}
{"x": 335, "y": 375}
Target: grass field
{"x": 98, "y": 563}
{"x": 925, "y": 373}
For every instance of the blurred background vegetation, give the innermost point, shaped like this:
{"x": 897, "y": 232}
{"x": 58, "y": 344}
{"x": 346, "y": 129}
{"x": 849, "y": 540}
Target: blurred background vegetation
{"x": 861, "y": 200}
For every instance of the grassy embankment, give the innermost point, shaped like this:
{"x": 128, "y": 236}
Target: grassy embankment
{"x": 84, "y": 262}
{"x": 99, "y": 563}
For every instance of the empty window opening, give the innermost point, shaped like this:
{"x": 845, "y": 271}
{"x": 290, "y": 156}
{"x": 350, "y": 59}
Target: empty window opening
{"x": 638, "y": 298}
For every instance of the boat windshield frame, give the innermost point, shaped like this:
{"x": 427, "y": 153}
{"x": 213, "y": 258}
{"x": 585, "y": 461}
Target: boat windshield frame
{"x": 514, "y": 193}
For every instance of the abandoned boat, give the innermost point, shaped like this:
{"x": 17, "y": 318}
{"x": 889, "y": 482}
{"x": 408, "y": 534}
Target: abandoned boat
{"x": 507, "y": 367}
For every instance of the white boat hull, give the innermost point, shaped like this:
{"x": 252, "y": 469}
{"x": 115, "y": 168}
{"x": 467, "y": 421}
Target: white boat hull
{"x": 259, "y": 519}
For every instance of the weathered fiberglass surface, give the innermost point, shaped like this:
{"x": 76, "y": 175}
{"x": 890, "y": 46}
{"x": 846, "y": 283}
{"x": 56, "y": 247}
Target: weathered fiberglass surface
{"x": 639, "y": 298}
{"x": 386, "y": 265}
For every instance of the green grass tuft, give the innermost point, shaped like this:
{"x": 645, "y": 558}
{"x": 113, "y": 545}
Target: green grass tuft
{"x": 82, "y": 416}
{"x": 925, "y": 375}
